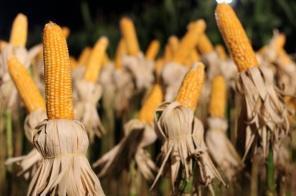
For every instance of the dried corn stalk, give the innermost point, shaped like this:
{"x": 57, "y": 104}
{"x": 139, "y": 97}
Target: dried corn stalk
{"x": 139, "y": 133}
{"x": 183, "y": 134}
{"x": 61, "y": 140}
{"x": 266, "y": 115}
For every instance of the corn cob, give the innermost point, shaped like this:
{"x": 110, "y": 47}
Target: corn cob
{"x": 168, "y": 55}
{"x": 66, "y": 32}
{"x": 173, "y": 44}
{"x": 152, "y": 50}
{"x": 25, "y": 85}
{"x": 95, "y": 60}
{"x": 204, "y": 44}
{"x": 221, "y": 52}
{"x": 218, "y": 97}
{"x": 57, "y": 70}
{"x": 120, "y": 51}
{"x": 73, "y": 62}
{"x": 189, "y": 41}
{"x": 106, "y": 59}
{"x": 279, "y": 42}
{"x": 194, "y": 56}
{"x": 3, "y": 44}
{"x": 129, "y": 33}
{"x": 284, "y": 58}
{"x": 84, "y": 56}
{"x": 235, "y": 37}
{"x": 158, "y": 66}
{"x": 154, "y": 99}
{"x": 190, "y": 90}
{"x": 19, "y": 30}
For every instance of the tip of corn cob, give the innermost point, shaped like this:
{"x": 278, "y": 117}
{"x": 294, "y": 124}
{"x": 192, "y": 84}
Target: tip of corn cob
{"x": 204, "y": 45}
{"x": 190, "y": 90}
{"x": 152, "y": 50}
{"x": 57, "y": 73}
{"x": 25, "y": 85}
{"x": 19, "y": 30}
{"x": 235, "y": 37}
{"x": 66, "y": 31}
{"x": 221, "y": 52}
{"x": 218, "y": 97}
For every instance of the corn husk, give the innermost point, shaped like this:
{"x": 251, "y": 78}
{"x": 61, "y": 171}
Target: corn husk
{"x": 172, "y": 76}
{"x": 86, "y": 108}
{"x": 28, "y": 164}
{"x": 141, "y": 71}
{"x": 267, "y": 117}
{"x": 124, "y": 90}
{"x": 64, "y": 169}
{"x": 183, "y": 144}
{"x": 138, "y": 135}
{"x": 221, "y": 149}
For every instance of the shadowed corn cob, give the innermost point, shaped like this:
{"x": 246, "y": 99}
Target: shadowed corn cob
{"x": 19, "y": 30}
{"x": 120, "y": 51}
{"x": 154, "y": 99}
{"x": 129, "y": 33}
{"x": 190, "y": 90}
{"x": 221, "y": 52}
{"x": 189, "y": 41}
{"x": 84, "y": 56}
{"x": 66, "y": 32}
{"x": 204, "y": 44}
{"x": 25, "y": 85}
{"x": 279, "y": 42}
{"x": 57, "y": 71}
{"x": 158, "y": 65}
{"x": 173, "y": 44}
{"x": 152, "y": 50}
{"x": 218, "y": 97}
{"x": 95, "y": 60}
{"x": 235, "y": 37}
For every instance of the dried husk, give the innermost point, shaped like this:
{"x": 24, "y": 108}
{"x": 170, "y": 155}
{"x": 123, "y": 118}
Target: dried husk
{"x": 124, "y": 90}
{"x": 141, "y": 70}
{"x": 267, "y": 116}
{"x": 86, "y": 108}
{"x": 286, "y": 81}
{"x": 64, "y": 169}
{"x": 221, "y": 149}
{"x": 172, "y": 76}
{"x": 183, "y": 144}
{"x": 138, "y": 135}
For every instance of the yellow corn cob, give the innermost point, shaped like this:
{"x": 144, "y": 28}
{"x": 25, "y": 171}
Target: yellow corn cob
{"x": 19, "y": 30}
{"x": 235, "y": 37}
{"x": 73, "y": 62}
{"x": 96, "y": 59}
{"x": 173, "y": 44}
{"x": 168, "y": 55}
{"x": 84, "y": 56}
{"x": 106, "y": 59}
{"x": 221, "y": 52}
{"x": 120, "y": 51}
{"x": 204, "y": 45}
{"x": 284, "y": 58}
{"x": 190, "y": 90}
{"x": 152, "y": 50}
{"x": 158, "y": 66}
{"x": 279, "y": 42}
{"x": 218, "y": 97}
{"x": 129, "y": 33}
{"x": 189, "y": 41}
{"x": 194, "y": 56}
{"x": 25, "y": 85}
{"x": 66, "y": 32}
{"x": 154, "y": 99}
{"x": 57, "y": 73}
{"x": 3, "y": 44}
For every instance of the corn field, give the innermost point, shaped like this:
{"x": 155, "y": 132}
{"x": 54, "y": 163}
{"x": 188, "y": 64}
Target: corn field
{"x": 187, "y": 117}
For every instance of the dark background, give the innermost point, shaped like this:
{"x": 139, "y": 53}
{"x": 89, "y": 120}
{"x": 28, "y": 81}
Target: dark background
{"x": 88, "y": 19}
